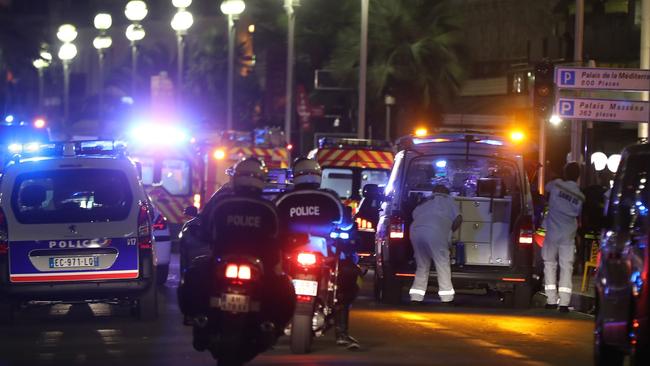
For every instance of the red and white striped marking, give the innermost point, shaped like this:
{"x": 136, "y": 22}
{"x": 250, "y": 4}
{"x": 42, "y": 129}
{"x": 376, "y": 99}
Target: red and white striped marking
{"x": 85, "y": 276}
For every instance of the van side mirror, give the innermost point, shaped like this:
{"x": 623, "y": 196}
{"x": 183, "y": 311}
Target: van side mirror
{"x": 191, "y": 211}
{"x": 373, "y": 191}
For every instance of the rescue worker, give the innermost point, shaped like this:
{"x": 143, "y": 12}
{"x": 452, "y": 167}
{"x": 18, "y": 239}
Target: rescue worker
{"x": 242, "y": 222}
{"x": 315, "y": 211}
{"x": 565, "y": 202}
{"x": 434, "y": 219}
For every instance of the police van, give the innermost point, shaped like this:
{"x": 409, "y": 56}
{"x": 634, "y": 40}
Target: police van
{"x": 493, "y": 248}
{"x": 75, "y": 225}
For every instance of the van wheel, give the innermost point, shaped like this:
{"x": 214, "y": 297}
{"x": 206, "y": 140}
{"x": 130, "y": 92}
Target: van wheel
{"x": 148, "y": 304}
{"x": 522, "y": 296}
{"x": 7, "y": 313}
{"x": 162, "y": 271}
{"x": 389, "y": 290}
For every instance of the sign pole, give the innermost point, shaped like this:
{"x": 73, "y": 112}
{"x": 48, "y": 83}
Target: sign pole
{"x": 541, "y": 175}
{"x": 576, "y": 126}
{"x": 645, "y": 59}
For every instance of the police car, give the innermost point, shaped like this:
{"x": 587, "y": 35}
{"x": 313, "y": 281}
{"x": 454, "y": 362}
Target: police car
{"x": 493, "y": 247}
{"x": 75, "y": 226}
{"x": 622, "y": 294}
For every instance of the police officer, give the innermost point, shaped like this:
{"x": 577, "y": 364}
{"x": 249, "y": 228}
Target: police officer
{"x": 316, "y": 211}
{"x": 242, "y": 222}
{"x": 434, "y": 219}
{"x": 564, "y": 206}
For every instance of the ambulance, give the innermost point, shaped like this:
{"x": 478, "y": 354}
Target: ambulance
{"x": 349, "y": 165}
{"x": 181, "y": 169}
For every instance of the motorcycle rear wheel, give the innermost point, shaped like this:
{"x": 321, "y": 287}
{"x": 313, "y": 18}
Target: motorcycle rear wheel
{"x": 301, "y": 334}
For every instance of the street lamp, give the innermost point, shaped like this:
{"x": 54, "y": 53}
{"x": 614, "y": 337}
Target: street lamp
{"x": 291, "y": 25}
{"x": 40, "y": 65}
{"x": 231, "y": 8}
{"x": 181, "y": 23}
{"x": 363, "y": 66}
{"x": 103, "y": 22}
{"x": 68, "y": 51}
{"x": 135, "y": 11}
{"x": 389, "y": 100}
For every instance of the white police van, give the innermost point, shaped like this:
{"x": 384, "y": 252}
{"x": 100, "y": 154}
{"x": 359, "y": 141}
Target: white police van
{"x": 75, "y": 225}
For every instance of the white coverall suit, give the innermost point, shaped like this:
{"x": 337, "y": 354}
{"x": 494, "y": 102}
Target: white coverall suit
{"x": 564, "y": 206}
{"x": 430, "y": 235}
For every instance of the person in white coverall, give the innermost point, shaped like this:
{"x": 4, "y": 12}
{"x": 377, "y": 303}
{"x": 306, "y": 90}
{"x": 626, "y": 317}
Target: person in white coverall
{"x": 561, "y": 223}
{"x": 434, "y": 219}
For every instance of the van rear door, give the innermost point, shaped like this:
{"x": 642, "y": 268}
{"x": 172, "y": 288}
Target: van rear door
{"x": 77, "y": 224}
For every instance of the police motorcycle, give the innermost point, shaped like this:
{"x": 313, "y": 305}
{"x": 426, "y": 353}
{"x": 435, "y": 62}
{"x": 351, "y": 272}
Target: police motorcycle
{"x": 237, "y": 297}
{"x": 321, "y": 233}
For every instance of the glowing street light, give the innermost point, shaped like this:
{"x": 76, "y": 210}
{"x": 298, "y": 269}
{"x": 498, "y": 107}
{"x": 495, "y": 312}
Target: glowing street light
{"x": 103, "y": 41}
{"x": 67, "y": 33}
{"x": 231, "y": 8}
{"x": 135, "y": 11}
{"x": 181, "y": 23}
{"x": 555, "y": 120}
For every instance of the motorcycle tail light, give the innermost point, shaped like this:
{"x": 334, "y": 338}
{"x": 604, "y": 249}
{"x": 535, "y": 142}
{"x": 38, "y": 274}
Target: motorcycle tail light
{"x": 232, "y": 271}
{"x": 244, "y": 272}
{"x": 241, "y": 272}
{"x": 306, "y": 259}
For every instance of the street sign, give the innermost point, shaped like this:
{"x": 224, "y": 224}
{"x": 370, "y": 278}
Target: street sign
{"x": 602, "y": 78}
{"x": 603, "y": 110}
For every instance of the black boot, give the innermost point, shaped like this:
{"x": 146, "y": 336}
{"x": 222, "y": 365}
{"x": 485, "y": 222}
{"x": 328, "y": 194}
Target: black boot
{"x": 343, "y": 339}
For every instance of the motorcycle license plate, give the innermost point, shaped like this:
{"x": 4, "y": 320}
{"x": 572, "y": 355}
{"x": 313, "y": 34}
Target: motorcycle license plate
{"x": 305, "y": 287}
{"x": 235, "y": 303}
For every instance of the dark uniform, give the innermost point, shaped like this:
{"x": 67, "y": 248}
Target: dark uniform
{"x": 246, "y": 225}
{"x": 318, "y": 212}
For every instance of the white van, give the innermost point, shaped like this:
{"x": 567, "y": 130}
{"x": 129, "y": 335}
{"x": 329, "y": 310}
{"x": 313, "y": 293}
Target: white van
{"x": 75, "y": 226}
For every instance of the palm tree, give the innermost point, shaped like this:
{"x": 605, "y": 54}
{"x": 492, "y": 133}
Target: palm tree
{"x": 415, "y": 52}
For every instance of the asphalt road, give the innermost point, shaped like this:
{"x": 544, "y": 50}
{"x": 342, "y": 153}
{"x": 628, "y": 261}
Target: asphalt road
{"x": 478, "y": 332}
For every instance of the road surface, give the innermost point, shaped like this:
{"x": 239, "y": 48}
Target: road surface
{"x": 478, "y": 332}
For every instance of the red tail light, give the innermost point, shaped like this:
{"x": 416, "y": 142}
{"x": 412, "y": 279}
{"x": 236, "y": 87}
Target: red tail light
{"x": 160, "y": 223}
{"x": 396, "y": 227}
{"x": 4, "y": 234}
{"x": 242, "y": 272}
{"x": 526, "y": 231}
{"x": 306, "y": 259}
{"x": 144, "y": 229}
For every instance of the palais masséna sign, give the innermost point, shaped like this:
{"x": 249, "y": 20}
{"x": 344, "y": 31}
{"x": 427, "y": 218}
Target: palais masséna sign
{"x": 608, "y": 110}
{"x": 602, "y": 109}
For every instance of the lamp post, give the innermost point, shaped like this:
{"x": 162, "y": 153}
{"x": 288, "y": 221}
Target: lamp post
{"x": 103, "y": 22}
{"x": 389, "y": 100}
{"x": 363, "y": 65}
{"x": 68, "y": 51}
{"x": 181, "y": 22}
{"x": 291, "y": 25}
{"x": 40, "y": 64}
{"x": 231, "y": 8}
{"x": 135, "y": 11}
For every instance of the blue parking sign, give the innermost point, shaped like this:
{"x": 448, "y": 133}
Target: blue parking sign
{"x": 567, "y": 78}
{"x": 566, "y": 108}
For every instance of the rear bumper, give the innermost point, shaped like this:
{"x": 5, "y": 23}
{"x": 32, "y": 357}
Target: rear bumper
{"x": 77, "y": 290}
{"x": 74, "y": 291}
{"x": 493, "y": 279}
